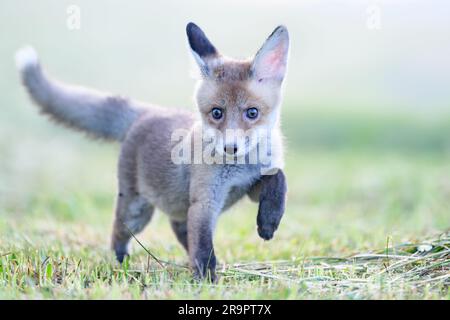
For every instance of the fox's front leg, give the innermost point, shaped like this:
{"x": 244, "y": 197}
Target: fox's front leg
{"x": 204, "y": 209}
{"x": 270, "y": 191}
{"x": 201, "y": 220}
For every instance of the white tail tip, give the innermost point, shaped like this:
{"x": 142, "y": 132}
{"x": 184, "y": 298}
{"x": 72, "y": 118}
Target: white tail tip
{"x": 26, "y": 57}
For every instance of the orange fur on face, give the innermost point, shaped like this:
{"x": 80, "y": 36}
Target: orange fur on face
{"x": 231, "y": 88}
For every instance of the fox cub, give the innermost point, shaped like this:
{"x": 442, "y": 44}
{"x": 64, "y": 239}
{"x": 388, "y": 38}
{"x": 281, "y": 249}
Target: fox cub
{"x": 239, "y": 95}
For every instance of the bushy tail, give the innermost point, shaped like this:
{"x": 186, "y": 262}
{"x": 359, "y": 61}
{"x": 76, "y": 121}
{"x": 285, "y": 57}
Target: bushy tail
{"x": 98, "y": 114}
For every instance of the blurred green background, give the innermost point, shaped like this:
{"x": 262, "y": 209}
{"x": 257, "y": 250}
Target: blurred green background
{"x": 349, "y": 85}
{"x": 366, "y": 117}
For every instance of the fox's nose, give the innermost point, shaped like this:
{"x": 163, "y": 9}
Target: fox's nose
{"x": 230, "y": 149}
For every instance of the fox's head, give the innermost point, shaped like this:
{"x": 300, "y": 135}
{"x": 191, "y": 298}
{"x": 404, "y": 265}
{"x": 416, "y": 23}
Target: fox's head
{"x": 239, "y": 95}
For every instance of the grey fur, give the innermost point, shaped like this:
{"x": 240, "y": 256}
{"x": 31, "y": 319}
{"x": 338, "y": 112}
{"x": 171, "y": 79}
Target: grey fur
{"x": 193, "y": 195}
{"x": 100, "y": 115}
{"x": 181, "y": 231}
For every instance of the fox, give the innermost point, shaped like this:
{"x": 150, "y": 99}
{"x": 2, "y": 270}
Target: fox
{"x": 231, "y": 94}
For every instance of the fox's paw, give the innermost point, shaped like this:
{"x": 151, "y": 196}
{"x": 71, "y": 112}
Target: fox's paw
{"x": 271, "y": 204}
{"x": 121, "y": 250}
{"x": 204, "y": 267}
{"x": 270, "y": 212}
{"x": 266, "y": 232}
{"x": 209, "y": 276}
{"x": 120, "y": 256}
{"x": 268, "y": 224}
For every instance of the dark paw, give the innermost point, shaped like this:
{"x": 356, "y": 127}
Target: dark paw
{"x": 120, "y": 248}
{"x": 206, "y": 270}
{"x": 269, "y": 217}
{"x": 271, "y": 204}
{"x": 121, "y": 251}
{"x": 120, "y": 255}
{"x": 209, "y": 276}
{"x": 266, "y": 232}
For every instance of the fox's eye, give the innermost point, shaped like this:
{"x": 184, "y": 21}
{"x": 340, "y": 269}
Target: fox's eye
{"x": 252, "y": 113}
{"x": 217, "y": 113}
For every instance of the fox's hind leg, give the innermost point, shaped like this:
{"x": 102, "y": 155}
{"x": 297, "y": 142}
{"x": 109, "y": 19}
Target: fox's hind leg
{"x": 180, "y": 229}
{"x": 133, "y": 210}
{"x": 133, "y": 213}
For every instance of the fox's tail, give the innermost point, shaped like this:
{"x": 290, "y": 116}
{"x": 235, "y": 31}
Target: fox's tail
{"x": 98, "y": 114}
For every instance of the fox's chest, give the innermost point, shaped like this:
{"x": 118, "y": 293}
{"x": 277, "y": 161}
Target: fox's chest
{"x": 238, "y": 179}
{"x": 170, "y": 193}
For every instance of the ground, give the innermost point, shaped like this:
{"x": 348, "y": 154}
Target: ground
{"x": 363, "y": 220}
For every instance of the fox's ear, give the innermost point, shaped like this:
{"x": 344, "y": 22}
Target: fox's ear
{"x": 202, "y": 48}
{"x": 270, "y": 61}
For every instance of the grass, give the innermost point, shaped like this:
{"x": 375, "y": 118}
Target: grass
{"x": 403, "y": 271}
{"x": 359, "y": 224}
